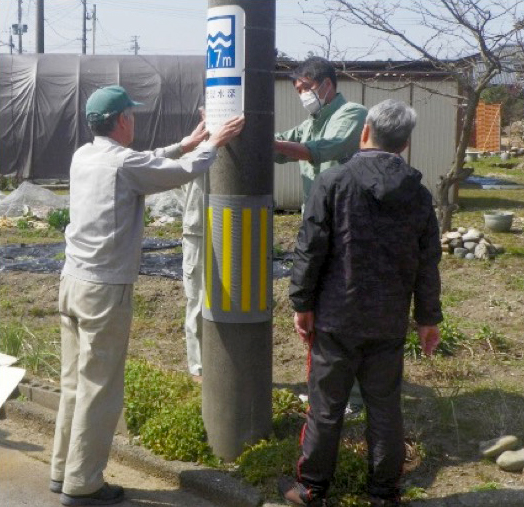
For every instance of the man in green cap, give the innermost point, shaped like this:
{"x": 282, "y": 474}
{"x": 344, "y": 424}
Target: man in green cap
{"x": 108, "y": 182}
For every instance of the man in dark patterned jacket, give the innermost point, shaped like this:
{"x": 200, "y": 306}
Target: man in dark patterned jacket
{"x": 368, "y": 245}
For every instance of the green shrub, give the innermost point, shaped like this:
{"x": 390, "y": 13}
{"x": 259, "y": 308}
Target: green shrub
{"x": 269, "y": 459}
{"x": 58, "y": 219}
{"x": 149, "y": 390}
{"x": 177, "y": 432}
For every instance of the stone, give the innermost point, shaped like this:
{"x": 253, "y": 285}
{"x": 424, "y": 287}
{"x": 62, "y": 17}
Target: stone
{"x": 496, "y": 446}
{"x": 456, "y": 243}
{"x": 499, "y": 249}
{"x": 470, "y": 246}
{"x": 485, "y": 241}
{"x": 460, "y": 252}
{"x": 511, "y": 461}
{"x": 444, "y": 240}
{"x": 470, "y": 256}
{"x": 453, "y": 235}
{"x": 482, "y": 252}
{"x": 446, "y": 248}
{"x": 472, "y": 235}
{"x": 462, "y": 230}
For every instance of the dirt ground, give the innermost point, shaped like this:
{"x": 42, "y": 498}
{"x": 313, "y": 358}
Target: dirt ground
{"x": 451, "y": 403}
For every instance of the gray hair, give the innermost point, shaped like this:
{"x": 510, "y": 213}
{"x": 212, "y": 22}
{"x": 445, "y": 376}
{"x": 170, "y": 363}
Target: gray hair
{"x": 391, "y": 123}
{"x": 105, "y": 125}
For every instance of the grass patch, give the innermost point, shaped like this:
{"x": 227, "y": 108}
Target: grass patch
{"x": 37, "y": 354}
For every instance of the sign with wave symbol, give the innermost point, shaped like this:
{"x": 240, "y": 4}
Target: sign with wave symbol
{"x": 221, "y": 42}
{"x": 225, "y": 64}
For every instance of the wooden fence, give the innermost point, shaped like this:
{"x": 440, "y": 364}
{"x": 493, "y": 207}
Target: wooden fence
{"x": 486, "y": 132}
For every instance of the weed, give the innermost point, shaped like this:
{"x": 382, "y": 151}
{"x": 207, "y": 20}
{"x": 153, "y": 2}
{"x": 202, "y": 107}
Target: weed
{"x": 148, "y": 219}
{"x": 23, "y": 224}
{"x": 495, "y": 341}
{"x": 414, "y": 493}
{"x": 487, "y": 486}
{"x": 59, "y": 256}
{"x": 58, "y": 219}
{"x": 38, "y": 355}
{"x": 36, "y": 311}
{"x": 143, "y": 308}
{"x": 451, "y": 338}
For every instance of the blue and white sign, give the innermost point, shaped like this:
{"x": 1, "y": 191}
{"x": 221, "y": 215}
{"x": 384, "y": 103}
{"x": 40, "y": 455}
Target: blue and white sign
{"x": 225, "y": 64}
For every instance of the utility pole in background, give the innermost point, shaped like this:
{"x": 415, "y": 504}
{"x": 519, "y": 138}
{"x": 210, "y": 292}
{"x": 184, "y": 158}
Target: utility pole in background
{"x": 93, "y": 19}
{"x": 238, "y": 233}
{"x": 84, "y": 26}
{"x": 19, "y": 29}
{"x": 11, "y": 44}
{"x": 135, "y": 47}
{"x": 39, "y": 26}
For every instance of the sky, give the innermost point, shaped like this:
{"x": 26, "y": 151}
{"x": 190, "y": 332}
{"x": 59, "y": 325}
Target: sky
{"x": 178, "y": 27}
{"x": 170, "y": 27}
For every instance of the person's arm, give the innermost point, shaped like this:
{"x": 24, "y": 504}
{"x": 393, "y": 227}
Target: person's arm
{"x": 311, "y": 248}
{"x": 187, "y": 145}
{"x": 147, "y": 173}
{"x": 427, "y": 307}
{"x": 292, "y": 151}
{"x": 341, "y": 137}
{"x": 283, "y": 139}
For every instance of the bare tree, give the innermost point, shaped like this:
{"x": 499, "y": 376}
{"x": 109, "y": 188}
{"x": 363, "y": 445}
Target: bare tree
{"x": 461, "y": 37}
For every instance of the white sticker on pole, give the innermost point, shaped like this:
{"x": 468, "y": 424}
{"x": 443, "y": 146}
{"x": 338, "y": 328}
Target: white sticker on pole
{"x": 225, "y": 64}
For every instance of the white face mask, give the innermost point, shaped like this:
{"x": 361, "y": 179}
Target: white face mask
{"x": 311, "y": 100}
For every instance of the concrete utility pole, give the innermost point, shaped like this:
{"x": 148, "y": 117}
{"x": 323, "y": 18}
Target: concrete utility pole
{"x": 84, "y": 27}
{"x": 135, "y": 47}
{"x": 39, "y": 26}
{"x": 11, "y": 44}
{"x": 93, "y": 19}
{"x": 20, "y": 30}
{"x": 237, "y": 310}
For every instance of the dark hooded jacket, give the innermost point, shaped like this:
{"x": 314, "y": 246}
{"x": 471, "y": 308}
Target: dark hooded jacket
{"x": 369, "y": 242}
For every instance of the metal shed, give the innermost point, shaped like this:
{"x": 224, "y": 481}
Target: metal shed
{"x": 434, "y": 139}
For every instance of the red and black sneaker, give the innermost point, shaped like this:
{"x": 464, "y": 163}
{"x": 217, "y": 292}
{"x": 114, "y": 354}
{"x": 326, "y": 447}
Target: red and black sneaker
{"x": 295, "y": 493}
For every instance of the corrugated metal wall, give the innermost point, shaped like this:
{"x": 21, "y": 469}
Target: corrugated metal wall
{"x": 433, "y": 142}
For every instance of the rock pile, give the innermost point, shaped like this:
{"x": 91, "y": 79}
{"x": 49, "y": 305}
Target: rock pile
{"x": 505, "y": 450}
{"x": 469, "y": 244}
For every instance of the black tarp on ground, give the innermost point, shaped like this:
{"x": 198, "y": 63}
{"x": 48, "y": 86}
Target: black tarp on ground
{"x": 43, "y": 96}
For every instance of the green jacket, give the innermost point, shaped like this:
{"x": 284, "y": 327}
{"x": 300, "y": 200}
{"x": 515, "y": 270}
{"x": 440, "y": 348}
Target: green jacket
{"x": 332, "y": 136}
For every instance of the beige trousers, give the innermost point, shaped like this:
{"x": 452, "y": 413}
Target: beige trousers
{"x": 193, "y": 276}
{"x": 95, "y": 325}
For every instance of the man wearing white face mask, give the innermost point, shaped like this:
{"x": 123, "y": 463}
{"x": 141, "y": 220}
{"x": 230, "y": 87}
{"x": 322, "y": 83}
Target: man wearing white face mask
{"x": 329, "y": 137}
{"x": 331, "y": 134}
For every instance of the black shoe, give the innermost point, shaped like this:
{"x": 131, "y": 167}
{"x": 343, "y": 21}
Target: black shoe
{"x": 377, "y": 501}
{"x": 55, "y": 486}
{"x": 295, "y": 493}
{"x": 106, "y": 495}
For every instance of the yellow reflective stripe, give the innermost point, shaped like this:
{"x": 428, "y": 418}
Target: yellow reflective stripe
{"x": 246, "y": 260}
{"x": 263, "y": 259}
{"x": 209, "y": 257}
{"x": 227, "y": 251}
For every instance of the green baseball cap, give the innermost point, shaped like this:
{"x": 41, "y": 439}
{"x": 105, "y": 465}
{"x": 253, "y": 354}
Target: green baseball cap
{"x": 106, "y": 102}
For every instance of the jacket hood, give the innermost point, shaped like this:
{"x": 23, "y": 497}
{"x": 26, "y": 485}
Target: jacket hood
{"x": 386, "y": 176}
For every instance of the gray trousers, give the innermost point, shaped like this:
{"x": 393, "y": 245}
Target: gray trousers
{"x": 95, "y": 325}
{"x": 335, "y": 362}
